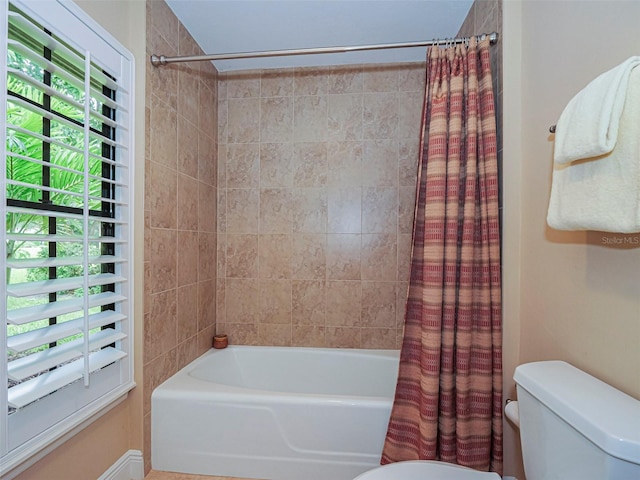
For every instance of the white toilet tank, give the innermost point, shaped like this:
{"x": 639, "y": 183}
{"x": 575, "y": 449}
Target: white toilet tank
{"x": 575, "y": 427}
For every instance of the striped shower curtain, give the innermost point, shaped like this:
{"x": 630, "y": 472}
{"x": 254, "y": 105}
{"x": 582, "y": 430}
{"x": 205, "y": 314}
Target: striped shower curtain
{"x": 448, "y": 402}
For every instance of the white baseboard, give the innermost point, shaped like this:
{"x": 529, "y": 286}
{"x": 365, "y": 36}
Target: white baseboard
{"x": 129, "y": 466}
{"x": 509, "y": 478}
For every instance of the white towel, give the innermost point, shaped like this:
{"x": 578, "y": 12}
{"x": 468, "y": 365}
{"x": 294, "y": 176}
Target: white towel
{"x": 588, "y": 126}
{"x": 603, "y": 193}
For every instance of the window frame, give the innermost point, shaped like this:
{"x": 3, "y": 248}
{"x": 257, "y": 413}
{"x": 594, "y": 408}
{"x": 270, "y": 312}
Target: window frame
{"x": 62, "y": 16}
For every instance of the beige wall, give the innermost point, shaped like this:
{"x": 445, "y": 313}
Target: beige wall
{"x": 579, "y": 296}
{"x": 315, "y": 207}
{"x": 92, "y": 451}
{"x": 180, "y": 206}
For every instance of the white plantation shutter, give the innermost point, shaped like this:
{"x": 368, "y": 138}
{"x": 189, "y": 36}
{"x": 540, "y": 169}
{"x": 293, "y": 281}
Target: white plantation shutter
{"x": 66, "y": 197}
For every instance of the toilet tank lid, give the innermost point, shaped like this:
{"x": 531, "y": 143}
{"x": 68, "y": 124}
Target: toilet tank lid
{"x": 603, "y": 414}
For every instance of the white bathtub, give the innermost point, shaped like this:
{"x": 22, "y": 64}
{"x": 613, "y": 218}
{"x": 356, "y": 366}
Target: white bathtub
{"x": 280, "y": 413}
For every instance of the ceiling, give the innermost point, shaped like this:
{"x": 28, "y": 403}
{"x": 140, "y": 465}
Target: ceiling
{"x": 232, "y": 26}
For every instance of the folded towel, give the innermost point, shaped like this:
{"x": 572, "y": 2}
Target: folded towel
{"x": 603, "y": 193}
{"x": 588, "y": 126}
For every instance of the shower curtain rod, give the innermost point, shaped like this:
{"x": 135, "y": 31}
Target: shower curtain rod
{"x": 161, "y": 60}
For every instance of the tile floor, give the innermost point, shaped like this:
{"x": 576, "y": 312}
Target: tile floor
{"x": 158, "y": 475}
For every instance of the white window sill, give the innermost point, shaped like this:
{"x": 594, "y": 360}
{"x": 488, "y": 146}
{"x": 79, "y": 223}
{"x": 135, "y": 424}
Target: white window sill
{"x": 20, "y": 459}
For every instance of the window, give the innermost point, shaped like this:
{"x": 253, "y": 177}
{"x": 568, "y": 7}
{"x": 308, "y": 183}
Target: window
{"x": 67, "y": 169}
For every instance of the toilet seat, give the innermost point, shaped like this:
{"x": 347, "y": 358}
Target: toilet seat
{"x": 425, "y": 470}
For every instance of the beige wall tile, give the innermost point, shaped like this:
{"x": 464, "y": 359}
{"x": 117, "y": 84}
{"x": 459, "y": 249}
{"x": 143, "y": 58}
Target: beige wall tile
{"x": 308, "y": 336}
{"x": 278, "y": 83}
{"x": 277, "y": 335}
{"x": 240, "y": 333}
{"x": 344, "y": 308}
{"x": 221, "y": 209}
{"x": 308, "y": 302}
{"x": 161, "y": 327}
{"x": 408, "y": 162}
{"x": 207, "y": 256}
{"x": 412, "y": 79}
{"x": 188, "y": 84}
{"x": 243, "y": 165}
{"x": 188, "y": 46}
{"x": 187, "y": 258}
{"x": 187, "y": 204}
{"x": 242, "y": 210}
{"x": 380, "y": 116}
{"x": 382, "y": 78}
{"x": 207, "y": 159}
{"x": 343, "y": 337}
{"x": 162, "y": 196}
{"x": 163, "y": 260}
{"x": 207, "y": 111}
{"x": 406, "y": 208}
{"x": 344, "y": 164}
{"x": 276, "y": 165}
{"x": 242, "y": 84}
{"x": 331, "y": 209}
{"x": 378, "y": 338}
{"x": 223, "y": 120}
{"x": 181, "y": 205}
{"x": 157, "y": 371}
{"x": 239, "y": 310}
{"x": 164, "y": 82}
{"x": 242, "y": 256}
{"x": 163, "y": 133}
{"x": 206, "y": 207}
{"x": 309, "y": 164}
{"x": 401, "y": 305}
{"x": 275, "y": 256}
{"x": 344, "y": 210}
{"x": 379, "y": 256}
{"x": 309, "y": 210}
{"x": 162, "y": 18}
{"x": 310, "y": 81}
{"x": 379, "y": 210}
{"x": 187, "y": 313}
{"x": 310, "y": 118}
{"x": 380, "y": 162}
{"x": 379, "y": 304}
{"x": 275, "y": 302}
{"x": 275, "y": 210}
{"x": 204, "y": 339}
{"x": 276, "y": 119}
{"x": 221, "y": 296}
{"x": 346, "y": 79}
{"x": 187, "y": 147}
{"x": 344, "y": 117}
{"x": 309, "y": 256}
{"x": 187, "y": 351}
{"x": 404, "y": 257}
{"x": 343, "y": 256}
{"x": 243, "y": 120}
{"x": 206, "y": 305}
{"x": 409, "y": 112}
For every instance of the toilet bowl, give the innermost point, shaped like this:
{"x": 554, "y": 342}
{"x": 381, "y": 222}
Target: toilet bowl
{"x": 425, "y": 470}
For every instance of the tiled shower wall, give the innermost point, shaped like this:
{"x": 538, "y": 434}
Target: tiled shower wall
{"x": 315, "y": 191}
{"x": 316, "y": 187}
{"x": 180, "y": 205}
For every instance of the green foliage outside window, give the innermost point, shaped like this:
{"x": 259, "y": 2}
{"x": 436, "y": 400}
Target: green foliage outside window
{"x": 65, "y": 150}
